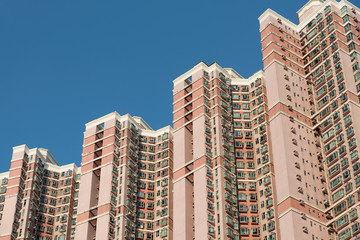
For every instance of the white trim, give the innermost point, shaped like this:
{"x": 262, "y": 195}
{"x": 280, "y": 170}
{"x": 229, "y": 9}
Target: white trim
{"x": 139, "y": 122}
{"x": 4, "y": 175}
{"x": 58, "y": 168}
{"x": 300, "y": 26}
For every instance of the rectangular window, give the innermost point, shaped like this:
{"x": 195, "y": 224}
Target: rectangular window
{"x": 337, "y": 195}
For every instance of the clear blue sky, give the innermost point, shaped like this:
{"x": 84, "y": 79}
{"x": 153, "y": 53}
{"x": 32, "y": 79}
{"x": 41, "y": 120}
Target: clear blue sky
{"x": 64, "y": 63}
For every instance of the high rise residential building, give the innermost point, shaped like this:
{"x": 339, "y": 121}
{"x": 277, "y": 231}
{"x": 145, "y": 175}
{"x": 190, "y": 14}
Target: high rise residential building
{"x": 123, "y": 190}
{"x": 274, "y": 156}
{"x": 126, "y": 180}
{"x": 312, "y": 73}
{"x": 38, "y": 197}
{"x": 221, "y": 141}
{"x": 271, "y": 156}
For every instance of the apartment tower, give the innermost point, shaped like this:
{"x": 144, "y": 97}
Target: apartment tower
{"x": 221, "y": 121}
{"x": 274, "y": 156}
{"x": 313, "y": 101}
{"x": 126, "y": 180}
{"x": 38, "y": 197}
{"x": 269, "y": 157}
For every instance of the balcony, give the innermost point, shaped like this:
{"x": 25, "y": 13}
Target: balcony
{"x": 230, "y": 233}
{"x": 270, "y": 214}
{"x": 229, "y": 221}
{"x": 271, "y": 226}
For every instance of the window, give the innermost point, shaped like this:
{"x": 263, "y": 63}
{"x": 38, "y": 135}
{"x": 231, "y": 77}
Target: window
{"x": 310, "y": 24}
{"x": 346, "y": 174}
{"x": 344, "y": 10}
{"x": 342, "y": 150}
{"x": 334, "y": 47}
{"x": 352, "y": 143}
{"x": 312, "y": 33}
{"x": 349, "y": 37}
{"x": 319, "y": 81}
{"x": 339, "y": 76}
{"x": 349, "y": 131}
{"x": 337, "y": 195}
{"x": 321, "y": 91}
{"x": 355, "y": 66}
{"x": 353, "y": 56}
{"x": 348, "y": 187}
{"x": 351, "y": 46}
{"x": 334, "y": 169}
{"x": 313, "y": 42}
{"x": 319, "y": 17}
{"x": 328, "y": 73}
{"x": 348, "y": 27}
{"x": 344, "y": 162}
{"x": 344, "y": 234}
{"x": 336, "y": 182}
{"x": 324, "y": 112}
{"x": 354, "y": 155}
{"x": 341, "y": 87}
{"x": 327, "y": 9}
{"x": 343, "y": 220}
{"x": 328, "y": 134}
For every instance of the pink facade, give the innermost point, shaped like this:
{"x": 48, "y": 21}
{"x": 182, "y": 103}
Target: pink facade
{"x": 126, "y": 180}
{"x": 312, "y": 68}
{"x": 216, "y": 122}
{"x": 271, "y": 156}
{"x": 287, "y": 134}
{"x": 38, "y": 197}
{"x": 123, "y": 190}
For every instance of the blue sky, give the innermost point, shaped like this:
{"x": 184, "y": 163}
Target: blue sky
{"x": 65, "y": 63}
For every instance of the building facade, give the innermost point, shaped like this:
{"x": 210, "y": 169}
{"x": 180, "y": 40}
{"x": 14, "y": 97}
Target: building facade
{"x": 275, "y": 155}
{"x": 313, "y": 101}
{"x": 272, "y": 156}
{"x": 221, "y": 121}
{"x": 122, "y": 191}
{"x": 38, "y": 197}
{"x": 126, "y": 180}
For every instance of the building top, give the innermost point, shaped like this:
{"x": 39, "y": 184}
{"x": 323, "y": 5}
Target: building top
{"x": 270, "y": 12}
{"x": 48, "y": 157}
{"x": 142, "y": 123}
{"x": 44, "y": 154}
{"x": 138, "y": 121}
{"x": 228, "y": 72}
{"x": 251, "y": 79}
{"x": 58, "y": 168}
{"x": 199, "y": 66}
{"x": 313, "y": 6}
{"x": 308, "y": 6}
{"x": 167, "y": 129}
{"x": 233, "y": 73}
{"x": 103, "y": 119}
